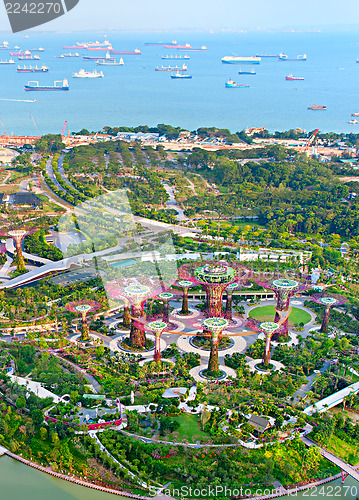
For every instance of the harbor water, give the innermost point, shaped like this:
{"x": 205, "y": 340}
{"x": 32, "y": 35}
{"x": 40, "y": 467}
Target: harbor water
{"x": 136, "y": 94}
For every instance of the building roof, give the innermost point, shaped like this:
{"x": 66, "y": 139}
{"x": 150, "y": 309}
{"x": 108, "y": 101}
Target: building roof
{"x": 259, "y": 423}
{"x": 24, "y": 199}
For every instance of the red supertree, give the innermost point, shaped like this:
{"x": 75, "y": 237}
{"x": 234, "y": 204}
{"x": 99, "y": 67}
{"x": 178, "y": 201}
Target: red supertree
{"x": 328, "y": 300}
{"x": 17, "y": 235}
{"x": 284, "y": 290}
{"x": 83, "y": 307}
{"x": 214, "y": 277}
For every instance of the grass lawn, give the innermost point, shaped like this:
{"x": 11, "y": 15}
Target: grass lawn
{"x": 343, "y": 450}
{"x": 189, "y": 428}
{"x": 267, "y": 313}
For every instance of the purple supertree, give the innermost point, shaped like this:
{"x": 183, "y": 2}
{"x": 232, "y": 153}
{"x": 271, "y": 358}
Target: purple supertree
{"x": 17, "y": 235}
{"x": 328, "y": 301}
{"x": 284, "y": 290}
{"x": 83, "y": 307}
{"x": 214, "y": 277}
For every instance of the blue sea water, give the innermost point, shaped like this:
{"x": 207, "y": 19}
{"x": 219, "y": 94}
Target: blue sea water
{"x": 135, "y": 94}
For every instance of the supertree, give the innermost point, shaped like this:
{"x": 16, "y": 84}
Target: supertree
{"x": 215, "y": 326}
{"x": 17, "y": 235}
{"x": 268, "y": 328}
{"x": 83, "y": 307}
{"x": 229, "y": 290}
{"x": 328, "y": 301}
{"x": 185, "y": 285}
{"x": 166, "y": 297}
{"x": 284, "y": 290}
{"x": 157, "y": 327}
{"x": 214, "y": 277}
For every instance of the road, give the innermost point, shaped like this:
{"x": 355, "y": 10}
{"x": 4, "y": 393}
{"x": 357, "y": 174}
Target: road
{"x": 172, "y": 203}
{"x": 334, "y": 459}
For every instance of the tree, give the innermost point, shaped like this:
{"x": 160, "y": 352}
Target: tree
{"x": 20, "y": 402}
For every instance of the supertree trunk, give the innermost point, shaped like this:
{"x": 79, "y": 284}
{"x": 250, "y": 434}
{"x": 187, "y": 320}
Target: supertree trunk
{"x": 266, "y": 355}
{"x": 20, "y": 263}
{"x": 213, "y": 363}
{"x": 325, "y": 322}
{"x": 137, "y": 334}
{"x": 85, "y": 335}
{"x": 157, "y": 356}
{"x": 283, "y": 301}
{"x": 228, "y": 314}
{"x": 166, "y": 307}
{"x": 214, "y": 300}
{"x": 126, "y": 316}
{"x": 185, "y": 310}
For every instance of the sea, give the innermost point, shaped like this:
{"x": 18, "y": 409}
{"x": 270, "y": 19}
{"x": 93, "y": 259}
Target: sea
{"x": 136, "y": 94}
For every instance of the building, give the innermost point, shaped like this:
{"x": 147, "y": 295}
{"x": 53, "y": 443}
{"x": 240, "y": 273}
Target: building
{"x": 260, "y": 424}
{"x": 17, "y": 199}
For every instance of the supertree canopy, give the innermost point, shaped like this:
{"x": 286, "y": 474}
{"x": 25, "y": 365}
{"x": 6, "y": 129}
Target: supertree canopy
{"x": 216, "y": 327}
{"x": 284, "y": 290}
{"x": 83, "y": 307}
{"x": 328, "y": 301}
{"x": 214, "y": 277}
{"x": 17, "y": 236}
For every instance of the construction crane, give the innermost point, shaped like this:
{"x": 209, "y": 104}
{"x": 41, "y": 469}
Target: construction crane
{"x": 311, "y": 140}
{"x": 33, "y": 119}
{"x": 2, "y": 123}
{"x": 63, "y": 130}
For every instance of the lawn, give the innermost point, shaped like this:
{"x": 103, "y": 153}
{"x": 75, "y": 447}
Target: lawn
{"x": 189, "y": 428}
{"x": 267, "y": 313}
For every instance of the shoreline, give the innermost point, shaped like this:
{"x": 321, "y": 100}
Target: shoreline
{"x": 281, "y": 492}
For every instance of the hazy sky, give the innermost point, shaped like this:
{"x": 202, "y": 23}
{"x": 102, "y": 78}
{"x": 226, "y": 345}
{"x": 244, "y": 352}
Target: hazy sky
{"x": 202, "y": 14}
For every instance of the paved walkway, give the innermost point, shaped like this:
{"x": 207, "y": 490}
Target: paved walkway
{"x": 96, "y": 387}
{"x": 305, "y": 388}
{"x": 35, "y": 387}
{"x": 332, "y": 458}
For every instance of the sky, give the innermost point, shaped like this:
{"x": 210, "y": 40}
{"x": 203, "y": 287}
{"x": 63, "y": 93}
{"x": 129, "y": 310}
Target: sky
{"x": 153, "y": 15}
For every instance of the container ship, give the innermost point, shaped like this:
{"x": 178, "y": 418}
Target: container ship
{"x": 317, "y": 107}
{"x": 58, "y": 85}
{"x": 88, "y": 74}
{"x": 246, "y": 72}
{"x": 284, "y": 57}
{"x": 172, "y": 68}
{"x": 231, "y": 84}
{"x": 180, "y": 75}
{"x": 241, "y": 60}
{"x": 291, "y": 77}
{"x": 135, "y": 52}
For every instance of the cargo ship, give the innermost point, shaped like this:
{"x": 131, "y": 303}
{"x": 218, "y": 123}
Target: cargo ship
{"x": 29, "y": 58}
{"x": 317, "y": 107}
{"x": 241, "y": 60}
{"x": 172, "y": 68}
{"x": 30, "y": 69}
{"x": 58, "y": 85}
{"x": 231, "y": 84}
{"x": 4, "y": 46}
{"x": 354, "y": 114}
{"x": 40, "y": 49}
{"x": 284, "y": 57}
{"x": 135, "y": 52}
{"x": 88, "y": 74}
{"x": 180, "y": 75}
{"x": 291, "y": 77}
{"x": 104, "y": 62}
{"x": 176, "y": 45}
{"x": 107, "y": 47}
{"x": 10, "y": 61}
{"x": 26, "y": 53}
{"x": 353, "y": 122}
{"x": 107, "y": 57}
{"x": 86, "y": 45}
{"x": 246, "y": 72}
{"x": 193, "y": 49}
{"x": 267, "y": 55}
{"x": 70, "y": 54}
{"x": 159, "y": 44}
{"x": 176, "y": 56}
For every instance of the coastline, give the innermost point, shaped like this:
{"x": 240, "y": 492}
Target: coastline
{"x": 281, "y": 492}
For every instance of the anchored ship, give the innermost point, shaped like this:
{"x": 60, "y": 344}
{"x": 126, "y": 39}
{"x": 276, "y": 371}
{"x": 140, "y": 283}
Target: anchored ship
{"x": 246, "y": 72}
{"x": 88, "y": 74}
{"x": 291, "y": 77}
{"x": 175, "y": 56}
{"x": 10, "y": 61}
{"x": 231, "y": 84}
{"x": 317, "y": 107}
{"x": 180, "y": 75}
{"x": 111, "y": 62}
{"x": 241, "y": 60}
{"x": 172, "y": 68}
{"x": 135, "y": 52}
{"x": 58, "y": 85}
{"x": 284, "y": 57}
{"x": 28, "y": 57}
{"x": 107, "y": 57}
{"x": 30, "y": 69}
